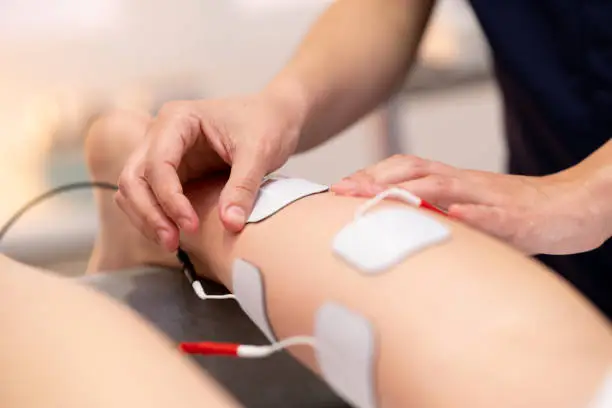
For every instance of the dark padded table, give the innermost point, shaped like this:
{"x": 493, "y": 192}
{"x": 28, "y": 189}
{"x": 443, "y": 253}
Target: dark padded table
{"x": 165, "y": 298}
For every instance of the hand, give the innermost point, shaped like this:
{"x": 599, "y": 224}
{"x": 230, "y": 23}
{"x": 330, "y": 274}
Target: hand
{"x": 553, "y": 214}
{"x": 188, "y": 140}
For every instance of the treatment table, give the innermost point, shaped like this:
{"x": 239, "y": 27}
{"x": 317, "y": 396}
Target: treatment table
{"x": 166, "y": 299}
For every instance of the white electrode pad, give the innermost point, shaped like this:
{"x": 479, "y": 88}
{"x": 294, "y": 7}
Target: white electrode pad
{"x": 380, "y": 239}
{"x": 345, "y": 351}
{"x": 603, "y": 399}
{"x": 248, "y": 287}
{"x": 278, "y": 192}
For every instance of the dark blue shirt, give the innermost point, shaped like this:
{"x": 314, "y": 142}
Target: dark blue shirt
{"x": 553, "y": 60}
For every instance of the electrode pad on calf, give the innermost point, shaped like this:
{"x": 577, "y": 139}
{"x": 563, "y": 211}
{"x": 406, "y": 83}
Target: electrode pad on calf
{"x": 278, "y": 192}
{"x": 603, "y": 398}
{"x": 248, "y": 287}
{"x": 378, "y": 240}
{"x": 345, "y": 350}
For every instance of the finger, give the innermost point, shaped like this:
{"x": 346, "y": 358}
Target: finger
{"x": 343, "y": 187}
{"x": 496, "y": 221}
{"x": 362, "y": 190}
{"x": 144, "y": 207}
{"x": 170, "y": 139}
{"x": 238, "y": 196}
{"x": 357, "y": 185}
{"x": 445, "y": 190}
{"x": 402, "y": 168}
{"x": 134, "y": 219}
{"x": 369, "y": 181}
{"x": 394, "y": 170}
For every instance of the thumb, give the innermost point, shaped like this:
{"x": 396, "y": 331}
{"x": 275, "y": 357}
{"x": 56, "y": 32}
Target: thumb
{"x": 238, "y": 195}
{"x": 494, "y": 221}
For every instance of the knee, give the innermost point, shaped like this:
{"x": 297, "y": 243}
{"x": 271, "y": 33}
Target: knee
{"x": 112, "y": 137}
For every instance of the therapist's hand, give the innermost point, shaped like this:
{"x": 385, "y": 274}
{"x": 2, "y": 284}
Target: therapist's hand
{"x": 187, "y": 140}
{"x": 554, "y": 214}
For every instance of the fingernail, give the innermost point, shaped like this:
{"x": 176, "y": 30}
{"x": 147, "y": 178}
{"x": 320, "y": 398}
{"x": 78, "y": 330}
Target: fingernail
{"x": 184, "y": 223}
{"x": 346, "y": 186}
{"x": 348, "y": 183}
{"x": 452, "y": 215}
{"x": 163, "y": 236}
{"x": 235, "y": 215}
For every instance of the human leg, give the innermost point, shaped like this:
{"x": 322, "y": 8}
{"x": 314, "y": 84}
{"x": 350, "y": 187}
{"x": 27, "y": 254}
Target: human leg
{"x": 470, "y": 322}
{"x": 467, "y": 323}
{"x": 64, "y": 345}
{"x": 110, "y": 141}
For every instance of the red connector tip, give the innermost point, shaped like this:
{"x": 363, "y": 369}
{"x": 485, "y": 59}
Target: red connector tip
{"x": 210, "y": 348}
{"x": 430, "y": 206}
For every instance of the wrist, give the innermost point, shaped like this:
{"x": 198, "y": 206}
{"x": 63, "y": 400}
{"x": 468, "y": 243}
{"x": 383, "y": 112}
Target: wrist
{"x": 600, "y": 188}
{"x": 297, "y": 101}
{"x": 292, "y": 99}
{"x": 594, "y": 187}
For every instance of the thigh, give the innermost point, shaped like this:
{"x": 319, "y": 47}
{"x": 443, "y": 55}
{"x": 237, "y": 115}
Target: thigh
{"x": 65, "y": 345}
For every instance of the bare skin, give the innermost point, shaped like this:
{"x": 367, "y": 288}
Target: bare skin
{"x": 66, "y": 345}
{"x": 525, "y": 323}
{"x": 110, "y": 141}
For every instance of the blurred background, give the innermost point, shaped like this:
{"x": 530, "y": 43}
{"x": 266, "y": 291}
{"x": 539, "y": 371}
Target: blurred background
{"x": 62, "y": 62}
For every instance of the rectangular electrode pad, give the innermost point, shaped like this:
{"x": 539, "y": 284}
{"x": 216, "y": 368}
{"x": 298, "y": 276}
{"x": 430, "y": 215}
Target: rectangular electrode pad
{"x": 248, "y": 287}
{"x": 278, "y": 192}
{"x": 380, "y": 239}
{"x": 345, "y": 352}
{"x": 603, "y": 398}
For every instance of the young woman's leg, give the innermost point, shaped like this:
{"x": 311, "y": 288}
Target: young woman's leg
{"x": 468, "y": 323}
{"x": 110, "y": 141}
{"x": 64, "y": 345}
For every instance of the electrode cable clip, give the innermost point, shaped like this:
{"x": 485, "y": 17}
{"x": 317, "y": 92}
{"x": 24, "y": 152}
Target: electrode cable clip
{"x": 245, "y": 350}
{"x": 194, "y": 281}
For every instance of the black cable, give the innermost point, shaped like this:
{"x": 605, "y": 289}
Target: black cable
{"x": 181, "y": 255}
{"x": 183, "y": 258}
{"x": 50, "y": 194}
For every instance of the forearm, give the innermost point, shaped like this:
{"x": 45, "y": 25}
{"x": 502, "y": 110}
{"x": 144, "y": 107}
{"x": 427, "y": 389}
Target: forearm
{"x": 454, "y": 323}
{"x": 353, "y": 58}
{"x": 593, "y": 176}
{"x": 63, "y": 345}
{"x": 600, "y": 165}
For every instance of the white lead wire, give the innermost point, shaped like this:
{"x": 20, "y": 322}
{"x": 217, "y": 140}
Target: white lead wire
{"x": 394, "y": 192}
{"x": 250, "y": 351}
{"x": 201, "y": 293}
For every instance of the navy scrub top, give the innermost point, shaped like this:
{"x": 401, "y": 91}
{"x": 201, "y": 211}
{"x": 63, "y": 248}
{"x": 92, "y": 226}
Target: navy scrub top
{"x": 553, "y": 61}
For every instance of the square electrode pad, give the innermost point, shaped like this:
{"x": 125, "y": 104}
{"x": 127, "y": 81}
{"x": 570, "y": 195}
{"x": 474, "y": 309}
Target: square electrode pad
{"x": 278, "y": 192}
{"x": 380, "y": 239}
{"x": 345, "y": 354}
{"x": 248, "y": 287}
{"x": 603, "y": 398}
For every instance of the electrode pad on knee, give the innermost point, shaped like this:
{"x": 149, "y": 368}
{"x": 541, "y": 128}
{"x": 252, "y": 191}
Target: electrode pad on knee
{"x": 248, "y": 287}
{"x": 378, "y": 240}
{"x": 278, "y": 192}
{"x": 345, "y": 351}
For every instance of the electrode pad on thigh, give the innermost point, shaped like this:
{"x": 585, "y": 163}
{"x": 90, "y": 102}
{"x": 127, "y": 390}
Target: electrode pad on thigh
{"x": 380, "y": 239}
{"x": 248, "y": 287}
{"x": 278, "y": 192}
{"x": 345, "y": 350}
